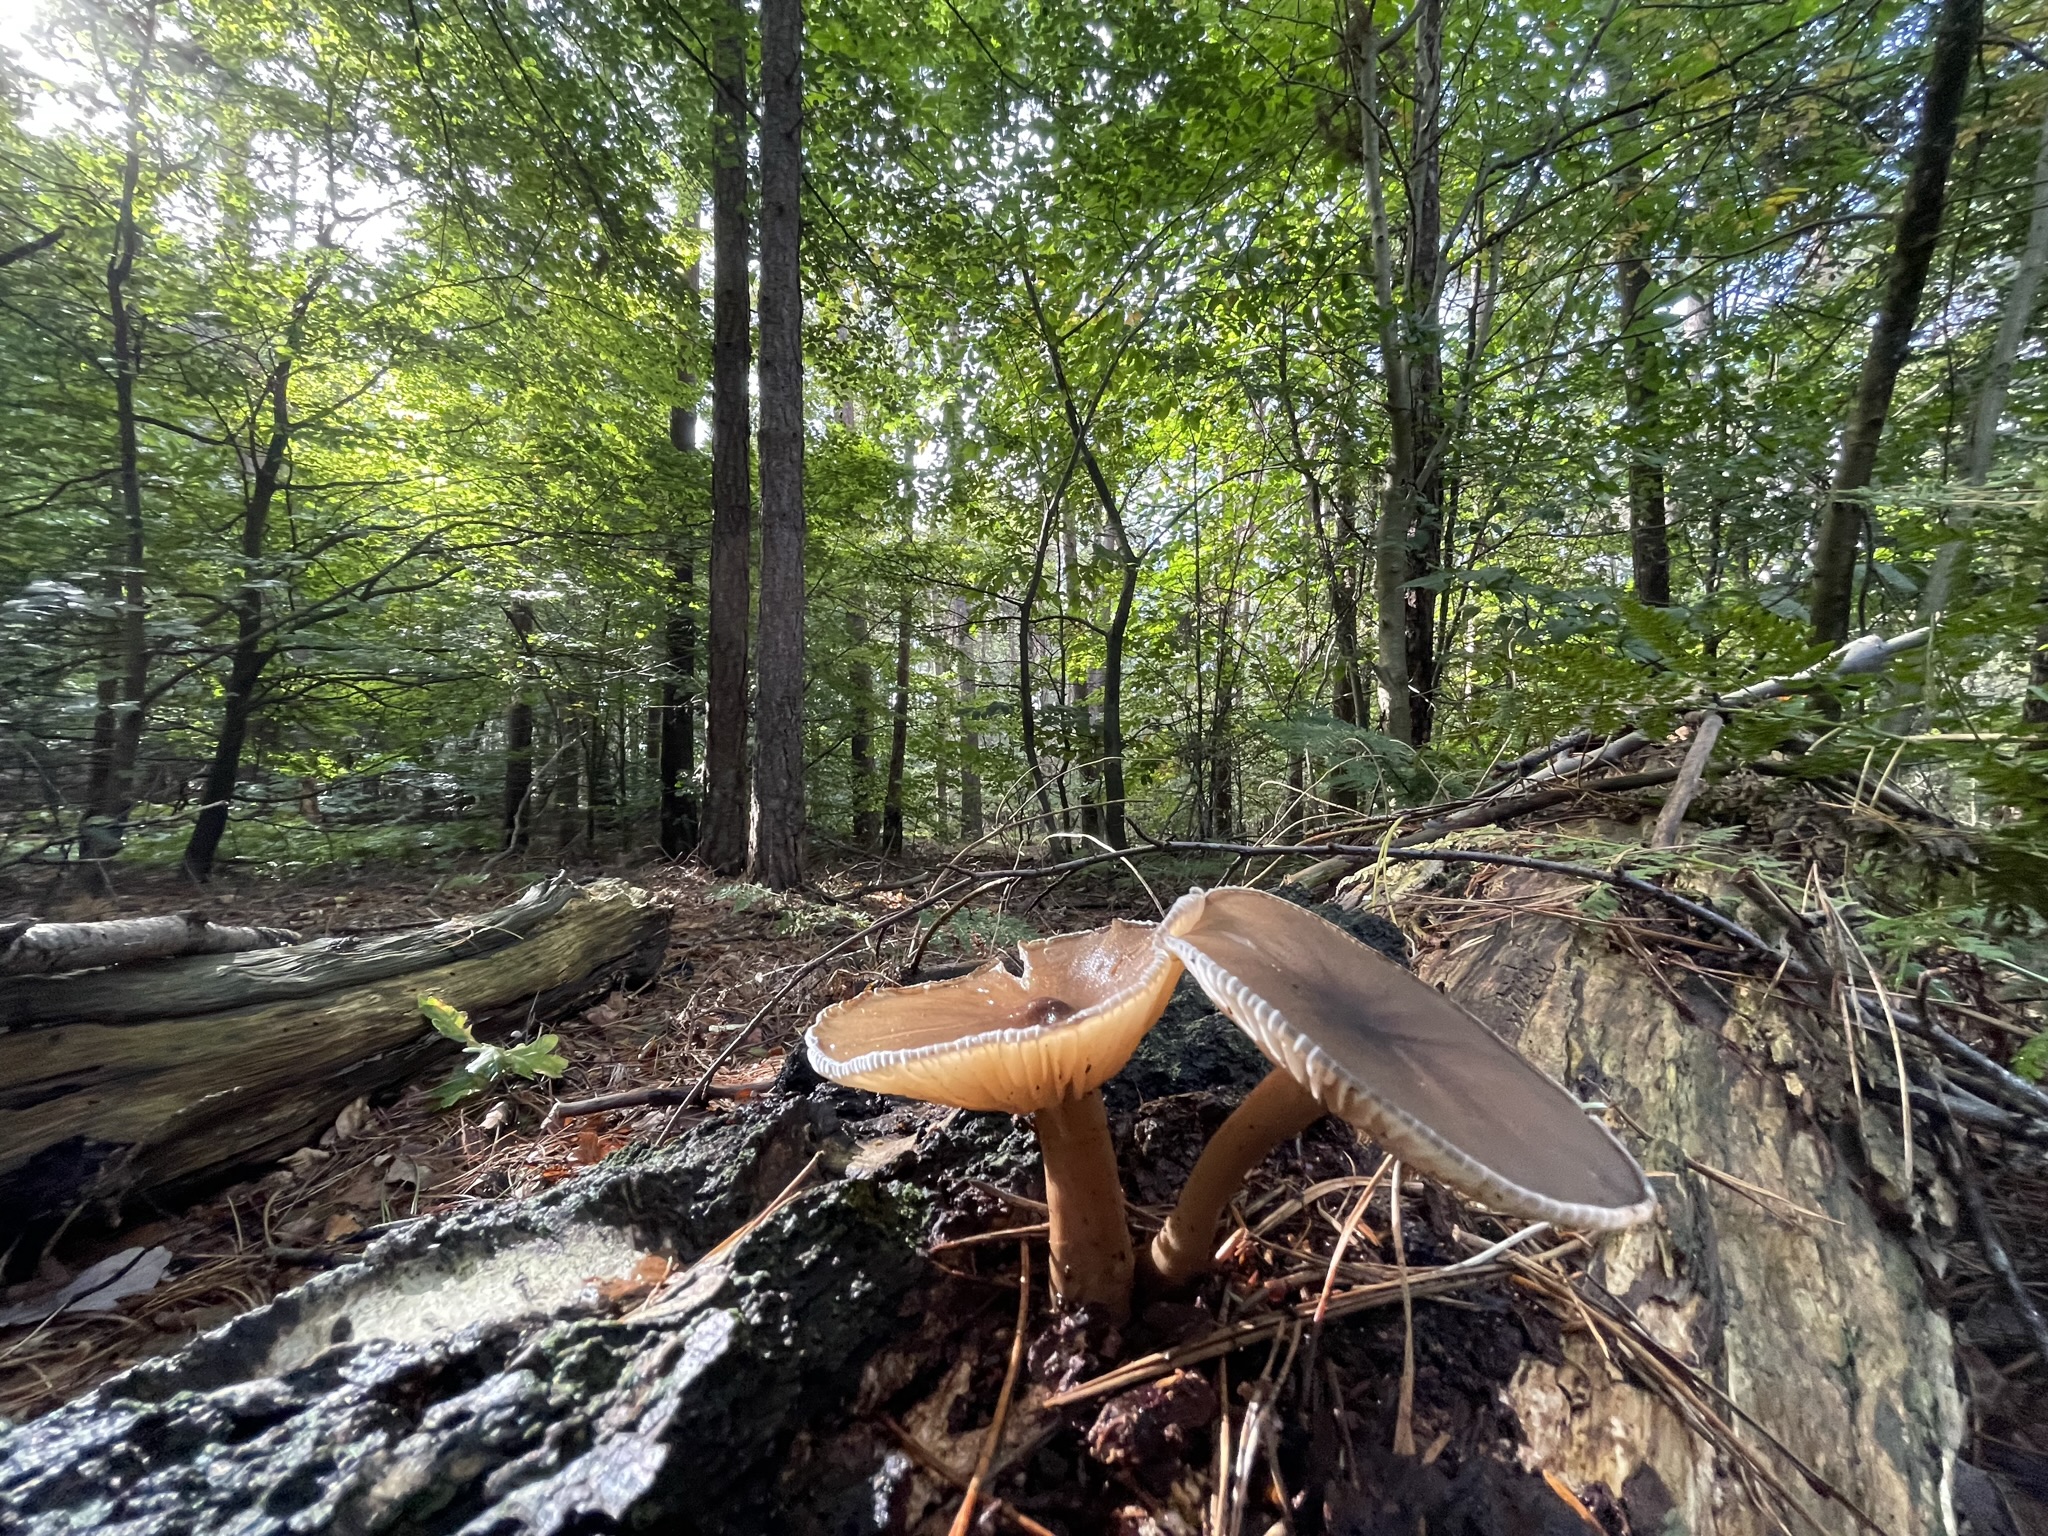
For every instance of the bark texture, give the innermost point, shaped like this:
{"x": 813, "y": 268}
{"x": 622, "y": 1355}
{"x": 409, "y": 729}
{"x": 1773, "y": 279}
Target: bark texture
{"x": 1919, "y": 229}
{"x": 44, "y": 949}
{"x": 124, "y": 1082}
{"x": 778, "y": 840}
{"x": 1820, "y": 1333}
{"x": 725, "y": 726}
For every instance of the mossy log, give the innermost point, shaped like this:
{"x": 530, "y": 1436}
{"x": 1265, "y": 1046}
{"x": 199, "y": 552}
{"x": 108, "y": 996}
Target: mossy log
{"x": 141, "y": 1080}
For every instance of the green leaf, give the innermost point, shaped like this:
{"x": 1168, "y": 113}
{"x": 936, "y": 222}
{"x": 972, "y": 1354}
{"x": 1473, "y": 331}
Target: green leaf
{"x": 458, "y": 1088}
{"x": 2031, "y": 1060}
{"x": 452, "y": 1022}
{"x": 536, "y": 1058}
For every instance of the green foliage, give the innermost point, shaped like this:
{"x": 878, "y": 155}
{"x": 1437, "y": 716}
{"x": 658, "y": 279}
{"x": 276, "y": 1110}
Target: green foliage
{"x": 531, "y": 1059}
{"x": 2030, "y": 1061}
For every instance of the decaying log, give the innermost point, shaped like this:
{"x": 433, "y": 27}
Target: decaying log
{"x": 139, "y": 1080}
{"x": 29, "y": 948}
{"x": 1818, "y": 1331}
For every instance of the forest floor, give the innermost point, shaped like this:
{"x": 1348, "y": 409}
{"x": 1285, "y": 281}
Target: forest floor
{"x": 732, "y": 950}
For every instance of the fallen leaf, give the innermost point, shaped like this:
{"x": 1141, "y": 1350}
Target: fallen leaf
{"x": 339, "y": 1226}
{"x": 131, "y": 1272}
{"x": 349, "y": 1124}
{"x": 406, "y": 1170}
{"x": 638, "y": 1281}
{"x": 499, "y": 1117}
{"x": 305, "y": 1160}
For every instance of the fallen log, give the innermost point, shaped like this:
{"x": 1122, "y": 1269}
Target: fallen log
{"x": 30, "y": 948}
{"x": 141, "y": 1081}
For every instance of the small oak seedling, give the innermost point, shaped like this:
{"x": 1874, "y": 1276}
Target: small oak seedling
{"x": 487, "y": 1063}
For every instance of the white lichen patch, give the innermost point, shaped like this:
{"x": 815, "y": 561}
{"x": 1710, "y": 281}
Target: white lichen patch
{"x": 437, "y": 1295}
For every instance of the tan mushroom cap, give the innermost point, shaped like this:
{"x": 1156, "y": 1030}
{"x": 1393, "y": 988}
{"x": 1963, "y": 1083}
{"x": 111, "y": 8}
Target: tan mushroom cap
{"x": 1389, "y": 1053}
{"x": 994, "y": 1041}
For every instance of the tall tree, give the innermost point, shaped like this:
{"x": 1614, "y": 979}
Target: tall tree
{"x": 778, "y": 852}
{"x": 1956, "y": 30}
{"x": 1649, "y": 538}
{"x": 725, "y": 724}
{"x": 125, "y": 682}
{"x": 1423, "y": 335}
{"x": 678, "y": 746}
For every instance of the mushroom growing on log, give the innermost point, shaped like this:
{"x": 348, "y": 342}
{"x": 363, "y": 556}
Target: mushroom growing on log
{"x": 1352, "y": 1034}
{"x": 1041, "y": 1044}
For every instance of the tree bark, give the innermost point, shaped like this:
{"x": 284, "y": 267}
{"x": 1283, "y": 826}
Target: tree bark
{"x": 287, "y": 1042}
{"x": 516, "y": 818}
{"x": 861, "y": 684}
{"x": 1951, "y": 571}
{"x": 250, "y": 654}
{"x": 677, "y": 766}
{"x": 1919, "y": 229}
{"x": 1424, "y": 339}
{"x": 1390, "y": 553}
{"x": 113, "y": 787}
{"x": 970, "y": 739}
{"x": 725, "y": 727}
{"x": 899, "y": 739}
{"x": 778, "y": 851}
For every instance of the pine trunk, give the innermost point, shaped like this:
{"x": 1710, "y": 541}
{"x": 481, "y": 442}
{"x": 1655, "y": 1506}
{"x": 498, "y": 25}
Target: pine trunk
{"x": 778, "y": 851}
{"x": 725, "y": 727}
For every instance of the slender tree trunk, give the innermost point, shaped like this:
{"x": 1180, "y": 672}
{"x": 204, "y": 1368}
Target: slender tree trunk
{"x": 1919, "y": 229}
{"x": 778, "y": 852}
{"x": 1649, "y": 538}
{"x": 1113, "y": 692}
{"x": 1348, "y": 702}
{"x": 866, "y": 823}
{"x": 2035, "y": 710}
{"x": 1424, "y": 281}
{"x": 676, "y": 764}
{"x": 1390, "y": 554}
{"x": 246, "y": 662}
{"x": 970, "y": 739}
{"x": 899, "y": 739}
{"x": 1951, "y": 571}
{"x": 725, "y": 727}
{"x": 1027, "y": 701}
{"x": 516, "y": 819}
{"x": 114, "y": 778}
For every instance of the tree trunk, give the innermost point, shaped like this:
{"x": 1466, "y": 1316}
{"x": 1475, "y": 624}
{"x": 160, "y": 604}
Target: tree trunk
{"x": 1951, "y": 572}
{"x": 899, "y": 739}
{"x": 250, "y": 655}
{"x": 1113, "y": 691}
{"x": 861, "y": 684}
{"x": 1649, "y": 539}
{"x": 725, "y": 725}
{"x": 1348, "y": 696}
{"x": 1919, "y": 229}
{"x": 2035, "y": 710}
{"x": 1390, "y": 553}
{"x": 676, "y": 767}
{"x": 970, "y": 739}
{"x": 778, "y": 851}
{"x": 1424, "y": 340}
{"x": 114, "y": 779}
{"x": 516, "y": 819}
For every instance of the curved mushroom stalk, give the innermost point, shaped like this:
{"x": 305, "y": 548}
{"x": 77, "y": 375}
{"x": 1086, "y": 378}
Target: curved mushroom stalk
{"x": 1276, "y": 1109}
{"x": 1039, "y": 1045}
{"x": 1355, "y": 1035}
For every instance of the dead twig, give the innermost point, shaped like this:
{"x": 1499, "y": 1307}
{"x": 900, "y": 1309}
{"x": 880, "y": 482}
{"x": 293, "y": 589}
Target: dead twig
{"x": 1691, "y": 773}
{"x": 965, "y": 1518}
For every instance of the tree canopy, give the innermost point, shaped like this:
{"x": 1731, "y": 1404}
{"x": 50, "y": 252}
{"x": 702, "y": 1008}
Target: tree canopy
{"x": 1208, "y": 417}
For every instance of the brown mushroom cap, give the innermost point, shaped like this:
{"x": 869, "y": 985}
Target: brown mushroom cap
{"x": 1386, "y": 1051}
{"x": 994, "y": 1041}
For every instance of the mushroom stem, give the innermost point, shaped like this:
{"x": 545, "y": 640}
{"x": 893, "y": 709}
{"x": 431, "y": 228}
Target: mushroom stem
{"x": 1090, "y": 1239}
{"x": 1275, "y": 1110}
